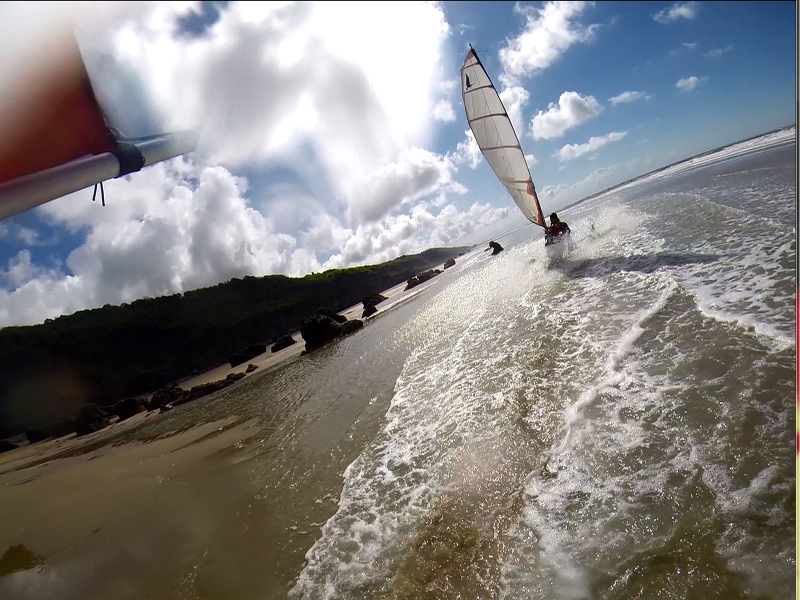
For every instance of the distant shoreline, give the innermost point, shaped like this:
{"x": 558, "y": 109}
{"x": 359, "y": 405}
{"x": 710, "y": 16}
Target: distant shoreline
{"x": 259, "y": 310}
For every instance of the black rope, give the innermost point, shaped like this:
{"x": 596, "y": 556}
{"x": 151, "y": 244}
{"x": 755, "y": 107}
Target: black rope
{"x": 102, "y": 193}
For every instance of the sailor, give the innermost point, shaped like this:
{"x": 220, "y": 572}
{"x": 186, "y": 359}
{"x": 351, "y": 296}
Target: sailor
{"x": 494, "y": 247}
{"x": 557, "y": 229}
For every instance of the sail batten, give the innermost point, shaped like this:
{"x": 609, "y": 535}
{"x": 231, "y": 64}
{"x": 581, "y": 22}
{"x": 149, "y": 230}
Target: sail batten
{"x": 495, "y": 135}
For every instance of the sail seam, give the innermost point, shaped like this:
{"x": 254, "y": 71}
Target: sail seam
{"x": 487, "y": 117}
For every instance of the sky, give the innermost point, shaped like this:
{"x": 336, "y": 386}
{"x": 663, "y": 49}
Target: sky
{"x": 333, "y": 134}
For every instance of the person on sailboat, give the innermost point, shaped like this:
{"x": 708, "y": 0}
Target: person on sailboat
{"x": 556, "y": 231}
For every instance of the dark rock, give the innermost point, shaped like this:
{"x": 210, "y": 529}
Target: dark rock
{"x": 450, "y": 262}
{"x": 247, "y": 354}
{"x": 320, "y": 330}
{"x": 283, "y": 342}
{"x": 199, "y": 391}
{"x": 369, "y": 310}
{"x": 90, "y": 418}
{"x": 5, "y": 446}
{"x": 327, "y": 312}
{"x": 250, "y": 368}
{"x": 128, "y": 407}
{"x": 350, "y": 327}
{"x": 53, "y": 430}
{"x": 421, "y": 278}
{"x": 373, "y": 299}
{"x": 166, "y": 395}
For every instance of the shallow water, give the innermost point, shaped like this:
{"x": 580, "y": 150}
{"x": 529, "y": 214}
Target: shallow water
{"x": 616, "y": 427}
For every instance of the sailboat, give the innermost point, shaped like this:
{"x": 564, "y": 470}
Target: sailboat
{"x": 56, "y": 139}
{"x": 495, "y": 135}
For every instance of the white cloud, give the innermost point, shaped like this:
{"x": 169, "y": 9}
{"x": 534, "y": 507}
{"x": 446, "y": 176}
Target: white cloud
{"x": 572, "y": 151}
{"x": 560, "y": 195}
{"x": 685, "y": 10}
{"x": 627, "y": 97}
{"x": 531, "y": 160}
{"x": 300, "y": 96}
{"x": 690, "y": 83}
{"x": 572, "y": 110}
{"x": 180, "y": 225}
{"x": 683, "y": 46}
{"x": 443, "y": 111}
{"x": 718, "y": 51}
{"x": 416, "y": 173}
{"x": 310, "y": 87}
{"x": 468, "y": 151}
{"x": 549, "y": 32}
{"x": 515, "y": 99}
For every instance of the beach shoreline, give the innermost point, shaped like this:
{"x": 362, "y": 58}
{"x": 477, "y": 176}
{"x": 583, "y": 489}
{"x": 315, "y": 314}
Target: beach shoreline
{"x": 271, "y": 359}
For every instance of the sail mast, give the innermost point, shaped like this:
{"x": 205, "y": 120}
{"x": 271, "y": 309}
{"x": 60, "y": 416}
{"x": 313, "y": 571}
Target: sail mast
{"x": 56, "y": 140}
{"x": 495, "y": 135}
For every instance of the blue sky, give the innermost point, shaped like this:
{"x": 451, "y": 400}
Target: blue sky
{"x": 334, "y": 135}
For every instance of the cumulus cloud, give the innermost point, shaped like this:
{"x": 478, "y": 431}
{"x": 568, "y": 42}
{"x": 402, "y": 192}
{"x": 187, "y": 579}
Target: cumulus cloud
{"x": 627, "y": 97}
{"x": 443, "y": 111}
{"x": 683, "y": 46}
{"x": 572, "y": 151}
{"x": 690, "y": 83}
{"x": 303, "y": 86}
{"x": 679, "y": 10}
{"x": 531, "y": 160}
{"x": 180, "y": 225}
{"x": 549, "y": 31}
{"x": 562, "y": 194}
{"x": 572, "y": 110}
{"x": 301, "y": 97}
{"x": 467, "y": 151}
{"x": 718, "y": 51}
{"x": 515, "y": 99}
{"x": 416, "y": 173}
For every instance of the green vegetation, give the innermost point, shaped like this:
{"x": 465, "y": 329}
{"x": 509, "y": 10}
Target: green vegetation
{"x": 103, "y": 355}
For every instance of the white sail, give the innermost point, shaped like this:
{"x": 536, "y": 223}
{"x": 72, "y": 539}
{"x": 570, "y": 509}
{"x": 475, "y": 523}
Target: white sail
{"x": 495, "y": 135}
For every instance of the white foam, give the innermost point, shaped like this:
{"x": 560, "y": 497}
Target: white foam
{"x": 734, "y": 151}
{"x": 630, "y": 445}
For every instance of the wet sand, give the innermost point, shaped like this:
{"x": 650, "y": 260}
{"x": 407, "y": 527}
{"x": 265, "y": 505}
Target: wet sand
{"x": 218, "y": 498}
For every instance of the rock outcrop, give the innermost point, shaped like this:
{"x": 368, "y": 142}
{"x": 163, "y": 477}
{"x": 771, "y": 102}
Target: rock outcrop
{"x": 421, "y": 278}
{"x": 320, "y": 330}
{"x": 283, "y": 342}
{"x": 205, "y": 389}
{"x": 5, "y": 446}
{"x": 166, "y": 395}
{"x": 52, "y": 430}
{"x": 327, "y": 312}
{"x": 450, "y": 262}
{"x": 250, "y": 368}
{"x": 90, "y": 418}
{"x": 247, "y": 354}
{"x": 128, "y": 407}
{"x": 370, "y": 303}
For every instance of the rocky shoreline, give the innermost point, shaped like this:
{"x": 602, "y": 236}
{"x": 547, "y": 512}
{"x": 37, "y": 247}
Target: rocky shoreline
{"x": 317, "y": 331}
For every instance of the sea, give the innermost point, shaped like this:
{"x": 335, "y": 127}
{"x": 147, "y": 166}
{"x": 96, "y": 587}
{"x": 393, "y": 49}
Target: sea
{"x": 616, "y": 426}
